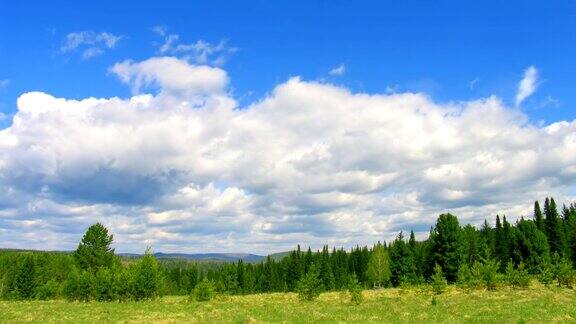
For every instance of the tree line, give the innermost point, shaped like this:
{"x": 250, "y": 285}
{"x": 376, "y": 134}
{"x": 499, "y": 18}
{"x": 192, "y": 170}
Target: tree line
{"x": 542, "y": 247}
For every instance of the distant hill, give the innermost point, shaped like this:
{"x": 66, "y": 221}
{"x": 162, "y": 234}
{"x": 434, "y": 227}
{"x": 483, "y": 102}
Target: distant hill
{"x": 218, "y": 257}
{"x": 280, "y": 255}
{"x": 222, "y": 257}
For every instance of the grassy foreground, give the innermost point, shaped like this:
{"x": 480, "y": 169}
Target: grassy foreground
{"x": 536, "y": 304}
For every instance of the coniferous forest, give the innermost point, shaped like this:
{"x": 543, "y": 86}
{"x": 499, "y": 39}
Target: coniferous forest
{"x": 541, "y": 247}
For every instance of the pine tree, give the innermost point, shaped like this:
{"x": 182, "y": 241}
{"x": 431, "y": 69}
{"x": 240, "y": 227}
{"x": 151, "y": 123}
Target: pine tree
{"x": 95, "y": 249}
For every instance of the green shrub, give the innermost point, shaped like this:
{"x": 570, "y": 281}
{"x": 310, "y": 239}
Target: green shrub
{"x": 123, "y": 283}
{"x": 104, "y": 289}
{"x": 490, "y": 275}
{"x": 204, "y": 290}
{"x": 517, "y": 277}
{"x": 25, "y": 280}
{"x": 355, "y": 290}
{"x": 79, "y": 286}
{"x": 49, "y": 290}
{"x": 310, "y": 285}
{"x": 147, "y": 278}
{"x": 464, "y": 276}
{"x": 438, "y": 280}
{"x": 565, "y": 274}
{"x": 546, "y": 275}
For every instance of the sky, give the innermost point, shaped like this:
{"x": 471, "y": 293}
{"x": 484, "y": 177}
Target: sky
{"x": 223, "y": 126}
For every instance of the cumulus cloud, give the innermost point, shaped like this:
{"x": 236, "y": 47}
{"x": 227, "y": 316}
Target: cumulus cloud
{"x": 186, "y": 168}
{"x": 171, "y": 74}
{"x": 90, "y": 43}
{"x": 527, "y": 85}
{"x": 338, "y": 71}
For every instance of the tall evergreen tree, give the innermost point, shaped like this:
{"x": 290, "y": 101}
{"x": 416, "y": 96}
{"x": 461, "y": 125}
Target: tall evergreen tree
{"x": 538, "y": 218}
{"x": 531, "y": 245}
{"x": 554, "y": 230}
{"x": 402, "y": 265}
{"x": 326, "y": 274}
{"x": 446, "y": 245}
{"x": 472, "y": 245}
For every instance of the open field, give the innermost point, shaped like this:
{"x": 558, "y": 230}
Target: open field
{"x": 536, "y": 304}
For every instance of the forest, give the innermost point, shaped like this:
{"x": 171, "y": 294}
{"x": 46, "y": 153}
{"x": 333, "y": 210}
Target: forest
{"x": 541, "y": 248}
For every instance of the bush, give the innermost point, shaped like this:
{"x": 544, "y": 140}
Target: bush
{"x": 517, "y": 277}
{"x": 310, "y": 285}
{"x": 355, "y": 290}
{"x": 123, "y": 283}
{"x": 49, "y": 290}
{"x": 79, "y": 286}
{"x": 204, "y": 290}
{"x": 104, "y": 289}
{"x": 25, "y": 281}
{"x": 489, "y": 272}
{"x": 546, "y": 275}
{"x": 438, "y": 280}
{"x": 565, "y": 274}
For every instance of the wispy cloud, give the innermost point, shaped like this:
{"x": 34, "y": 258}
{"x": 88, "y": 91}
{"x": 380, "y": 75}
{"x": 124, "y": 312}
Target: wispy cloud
{"x": 472, "y": 84}
{"x": 527, "y": 85}
{"x": 90, "y": 43}
{"x": 200, "y": 52}
{"x": 338, "y": 71}
{"x": 4, "y": 83}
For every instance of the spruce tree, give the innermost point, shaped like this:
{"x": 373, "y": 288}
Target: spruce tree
{"x": 554, "y": 230}
{"x": 531, "y": 245}
{"x": 538, "y": 218}
{"x": 402, "y": 265}
{"x": 446, "y": 245}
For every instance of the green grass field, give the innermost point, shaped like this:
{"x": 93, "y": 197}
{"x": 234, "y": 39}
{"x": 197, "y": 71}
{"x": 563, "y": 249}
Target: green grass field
{"x": 536, "y": 304}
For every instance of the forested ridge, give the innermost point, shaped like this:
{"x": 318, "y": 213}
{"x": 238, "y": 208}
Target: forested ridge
{"x": 542, "y": 247}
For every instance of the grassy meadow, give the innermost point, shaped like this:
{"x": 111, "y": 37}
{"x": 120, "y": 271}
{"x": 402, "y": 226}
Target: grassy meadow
{"x": 535, "y": 304}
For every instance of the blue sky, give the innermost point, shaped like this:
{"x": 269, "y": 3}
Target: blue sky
{"x": 438, "y": 47}
{"x": 255, "y": 126}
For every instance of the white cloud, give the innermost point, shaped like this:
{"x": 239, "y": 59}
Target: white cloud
{"x": 91, "y": 43}
{"x": 199, "y": 52}
{"x": 189, "y": 170}
{"x": 527, "y": 85}
{"x": 171, "y": 74}
{"x": 338, "y": 71}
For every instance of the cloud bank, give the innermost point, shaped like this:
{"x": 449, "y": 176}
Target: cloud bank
{"x": 182, "y": 166}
